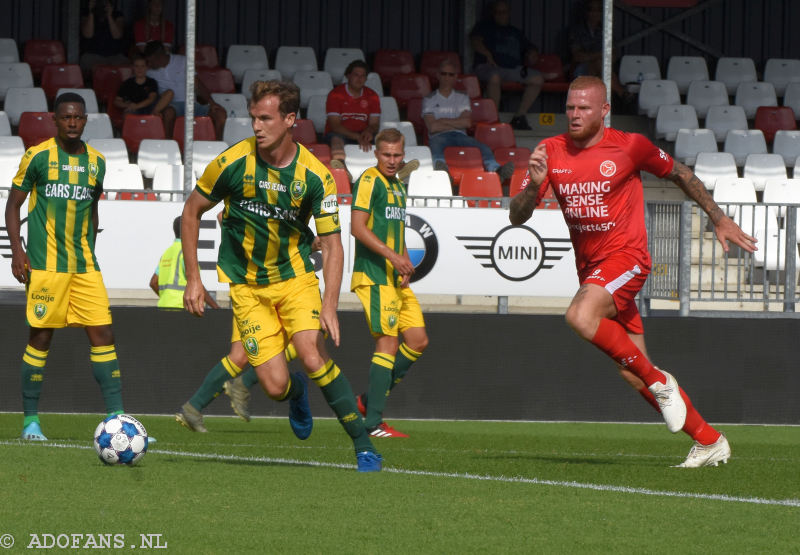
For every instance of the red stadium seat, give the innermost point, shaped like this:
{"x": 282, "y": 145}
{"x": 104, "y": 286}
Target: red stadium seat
{"x": 481, "y": 184}
{"x": 205, "y": 56}
{"x": 411, "y": 85}
{"x": 496, "y": 135}
{"x": 432, "y": 59}
{"x": 414, "y": 115}
{"x": 770, "y": 119}
{"x": 484, "y": 110}
{"x": 39, "y": 53}
{"x": 518, "y": 155}
{"x": 389, "y": 63}
{"x": 217, "y": 79}
{"x": 303, "y": 132}
{"x": 552, "y": 70}
{"x": 55, "y": 76}
{"x": 135, "y": 195}
{"x": 469, "y": 85}
{"x": 203, "y": 130}
{"x": 460, "y": 159}
{"x": 548, "y": 200}
{"x": 515, "y": 185}
{"x": 106, "y": 80}
{"x": 35, "y": 127}
{"x": 343, "y": 188}
{"x": 321, "y": 151}
{"x": 137, "y": 127}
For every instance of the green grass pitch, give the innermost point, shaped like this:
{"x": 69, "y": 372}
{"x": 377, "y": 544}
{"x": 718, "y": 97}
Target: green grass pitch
{"x": 452, "y": 487}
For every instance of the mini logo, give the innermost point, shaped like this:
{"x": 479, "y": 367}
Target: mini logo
{"x": 608, "y": 168}
{"x": 39, "y": 310}
{"x": 251, "y": 345}
{"x": 93, "y": 169}
{"x": 298, "y": 189}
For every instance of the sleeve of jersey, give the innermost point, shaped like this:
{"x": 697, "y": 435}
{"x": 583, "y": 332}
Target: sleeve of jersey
{"x": 26, "y": 175}
{"x": 326, "y": 207}
{"x": 210, "y": 185}
{"x": 362, "y": 192}
{"x": 649, "y": 157}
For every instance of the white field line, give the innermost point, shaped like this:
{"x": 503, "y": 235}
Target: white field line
{"x": 455, "y": 475}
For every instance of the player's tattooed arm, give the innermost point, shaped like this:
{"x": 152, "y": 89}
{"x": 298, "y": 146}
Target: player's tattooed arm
{"x": 522, "y": 205}
{"x": 686, "y": 179}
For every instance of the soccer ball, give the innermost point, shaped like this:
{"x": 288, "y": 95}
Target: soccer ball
{"x": 120, "y": 439}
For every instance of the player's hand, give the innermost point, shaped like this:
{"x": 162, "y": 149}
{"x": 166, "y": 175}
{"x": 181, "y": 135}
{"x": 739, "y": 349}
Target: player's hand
{"x": 537, "y": 164}
{"x": 402, "y": 264}
{"x": 329, "y": 322}
{"x": 20, "y": 265}
{"x": 194, "y": 298}
{"x": 727, "y": 230}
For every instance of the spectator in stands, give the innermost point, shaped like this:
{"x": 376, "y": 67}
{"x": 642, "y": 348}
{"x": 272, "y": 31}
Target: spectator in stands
{"x": 102, "y": 36}
{"x": 447, "y": 115}
{"x": 502, "y": 54}
{"x": 154, "y": 26}
{"x": 169, "y": 71}
{"x": 138, "y": 94}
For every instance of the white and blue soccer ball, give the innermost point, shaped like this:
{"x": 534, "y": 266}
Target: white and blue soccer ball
{"x": 120, "y": 439}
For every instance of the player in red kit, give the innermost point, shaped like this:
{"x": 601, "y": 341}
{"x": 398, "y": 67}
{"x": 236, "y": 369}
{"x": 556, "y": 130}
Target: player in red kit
{"x": 594, "y": 174}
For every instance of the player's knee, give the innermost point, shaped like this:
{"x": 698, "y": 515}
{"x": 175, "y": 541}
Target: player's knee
{"x": 579, "y": 321}
{"x": 418, "y": 342}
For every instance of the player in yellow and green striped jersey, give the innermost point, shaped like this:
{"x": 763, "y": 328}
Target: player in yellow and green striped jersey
{"x": 381, "y": 273}
{"x": 271, "y": 187}
{"x": 62, "y": 178}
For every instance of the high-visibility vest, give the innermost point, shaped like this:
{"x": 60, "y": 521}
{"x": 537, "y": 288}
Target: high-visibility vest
{"x": 171, "y": 277}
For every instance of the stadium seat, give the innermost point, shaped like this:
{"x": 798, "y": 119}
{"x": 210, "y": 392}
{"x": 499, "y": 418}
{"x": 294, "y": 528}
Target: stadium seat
{"x": 98, "y": 126}
{"x": 690, "y": 142}
{"x": 343, "y": 186}
{"x": 303, "y": 131}
{"x": 711, "y": 166}
{"x": 316, "y": 112}
{"x": 552, "y": 69}
{"x": 89, "y": 98}
{"x": 431, "y": 183}
{"x": 771, "y": 253}
{"x": 781, "y": 192}
{"x": 389, "y": 63}
{"x": 169, "y": 179}
{"x": 14, "y": 74}
{"x": 791, "y": 98}
{"x": 5, "y": 125}
{"x": 481, "y": 184}
{"x": 414, "y": 115}
{"x": 703, "y": 94}
{"x": 734, "y": 190}
{"x": 518, "y": 155}
{"x": 9, "y": 53}
{"x": 721, "y": 119}
{"x": 203, "y": 153}
{"x": 357, "y": 160}
{"x": 389, "y": 109}
{"x": 742, "y": 142}
{"x": 484, "y": 110}
{"x": 655, "y": 93}
{"x": 685, "y": 69}
{"x": 633, "y": 69}
{"x": 123, "y": 176}
{"x": 770, "y": 119}
{"x": 671, "y": 118}
{"x": 420, "y": 153}
{"x": 312, "y": 83}
{"x": 235, "y": 104}
{"x": 495, "y": 135}
{"x": 251, "y": 75}
{"x": 35, "y": 127}
{"x": 405, "y": 127}
{"x": 469, "y": 85}
{"x": 733, "y": 71}
{"x": 337, "y": 60}
{"x": 23, "y": 99}
{"x": 136, "y": 195}
{"x": 137, "y": 127}
{"x": 290, "y": 59}
{"x": 780, "y": 72}
{"x": 216, "y": 79}
{"x": 432, "y": 59}
{"x": 321, "y": 151}
{"x": 242, "y": 57}
{"x": 460, "y": 159}
{"x": 237, "y": 129}
{"x": 12, "y": 148}
{"x": 205, "y": 56}
{"x": 409, "y": 85}
{"x": 762, "y": 167}
{"x": 374, "y": 83}
{"x": 787, "y": 144}
{"x": 153, "y": 152}
{"x": 203, "y": 130}
{"x": 56, "y": 77}
{"x": 113, "y": 150}
{"x": 752, "y": 95}
{"x": 41, "y": 52}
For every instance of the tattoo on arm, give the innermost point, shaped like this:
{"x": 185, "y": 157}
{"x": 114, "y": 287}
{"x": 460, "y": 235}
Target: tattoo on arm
{"x": 522, "y": 204}
{"x": 686, "y": 179}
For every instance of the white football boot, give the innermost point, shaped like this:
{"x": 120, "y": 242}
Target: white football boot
{"x": 669, "y": 399}
{"x": 707, "y": 455}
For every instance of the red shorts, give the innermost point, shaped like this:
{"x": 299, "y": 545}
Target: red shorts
{"x": 622, "y": 276}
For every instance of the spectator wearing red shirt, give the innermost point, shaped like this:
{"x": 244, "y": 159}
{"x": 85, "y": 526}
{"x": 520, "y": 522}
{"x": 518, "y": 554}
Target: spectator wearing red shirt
{"x": 154, "y": 27}
{"x": 595, "y": 174}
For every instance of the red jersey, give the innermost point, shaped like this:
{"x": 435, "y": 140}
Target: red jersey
{"x": 355, "y": 111}
{"x": 144, "y": 32}
{"x": 600, "y": 193}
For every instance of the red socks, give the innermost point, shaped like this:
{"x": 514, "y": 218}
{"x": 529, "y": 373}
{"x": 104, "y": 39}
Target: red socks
{"x": 695, "y": 427}
{"x": 613, "y": 340}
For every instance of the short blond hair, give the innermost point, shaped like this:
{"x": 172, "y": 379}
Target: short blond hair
{"x": 588, "y": 82}
{"x": 390, "y": 135}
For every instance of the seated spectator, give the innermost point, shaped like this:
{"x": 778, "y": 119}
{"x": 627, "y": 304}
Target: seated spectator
{"x": 169, "y": 71}
{"x": 503, "y": 53}
{"x": 447, "y": 115}
{"x": 138, "y": 94}
{"x": 102, "y": 36}
{"x": 354, "y": 113}
{"x": 153, "y": 26}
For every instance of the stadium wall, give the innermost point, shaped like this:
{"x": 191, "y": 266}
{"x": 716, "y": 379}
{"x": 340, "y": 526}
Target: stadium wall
{"x": 477, "y": 367}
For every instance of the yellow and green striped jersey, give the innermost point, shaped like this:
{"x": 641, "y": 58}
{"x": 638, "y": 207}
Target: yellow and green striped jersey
{"x": 63, "y": 189}
{"x": 384, "y": 199}
{"x": 265, "y": 233}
